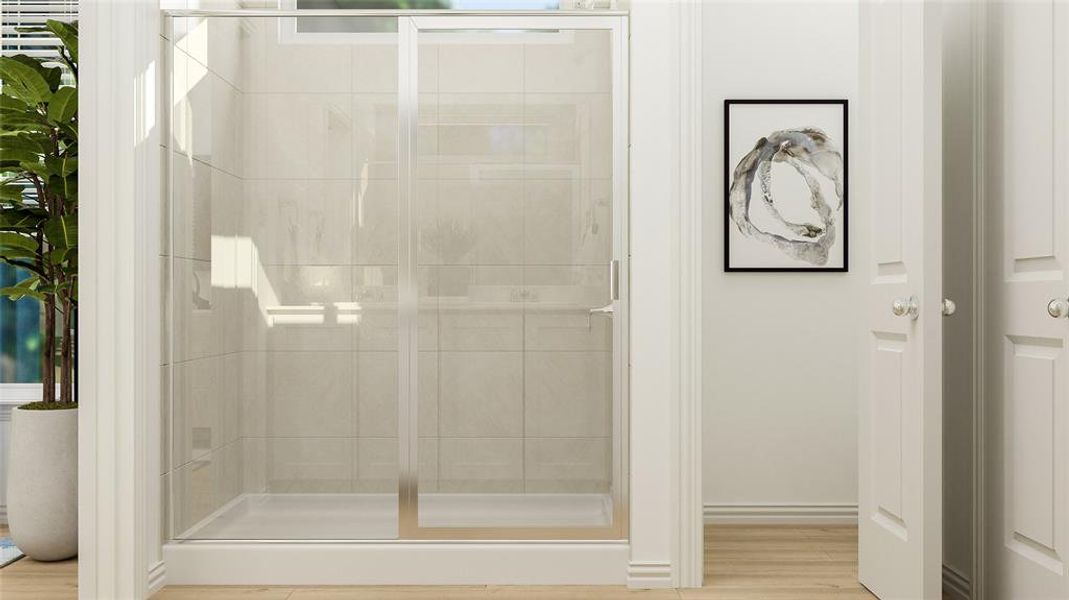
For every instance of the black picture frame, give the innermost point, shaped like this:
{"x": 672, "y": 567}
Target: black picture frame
{"x": 729, "y": 169}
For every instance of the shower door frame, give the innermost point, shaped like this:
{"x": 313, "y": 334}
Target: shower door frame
{"x": 410, "y": 27}
{"x": 410, "y": 23}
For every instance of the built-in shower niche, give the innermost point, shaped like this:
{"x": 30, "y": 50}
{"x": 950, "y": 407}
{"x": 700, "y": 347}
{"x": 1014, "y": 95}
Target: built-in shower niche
{"x": 376, "y": 335}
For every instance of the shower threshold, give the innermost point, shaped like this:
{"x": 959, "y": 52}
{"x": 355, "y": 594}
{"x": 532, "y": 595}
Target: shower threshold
{"x": 375, "y": 516}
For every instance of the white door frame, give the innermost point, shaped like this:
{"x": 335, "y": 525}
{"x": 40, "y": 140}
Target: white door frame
{"x": 119, "y": 483}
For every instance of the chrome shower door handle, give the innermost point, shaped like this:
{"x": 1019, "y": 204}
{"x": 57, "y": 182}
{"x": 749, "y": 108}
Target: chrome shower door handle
{"x": 614, "y": 279}
{"x": 603, "y": 310}
{"x": 1058, "y": 308}
{"x": 906, "y": 307}
{"x": 614, "y": 290}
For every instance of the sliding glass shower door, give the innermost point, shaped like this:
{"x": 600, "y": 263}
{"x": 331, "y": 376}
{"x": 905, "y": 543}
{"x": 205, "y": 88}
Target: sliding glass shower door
{"x": 517, "y": 218}
{"x": 396, "y": 259}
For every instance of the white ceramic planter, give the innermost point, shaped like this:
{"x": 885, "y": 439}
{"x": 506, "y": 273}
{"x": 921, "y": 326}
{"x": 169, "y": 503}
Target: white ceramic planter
{"x": 42, "y": 485}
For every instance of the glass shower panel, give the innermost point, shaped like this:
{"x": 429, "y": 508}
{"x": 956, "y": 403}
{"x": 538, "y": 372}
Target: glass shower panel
{"x": 514, "y": 204}
{"x": 284, "y": 257}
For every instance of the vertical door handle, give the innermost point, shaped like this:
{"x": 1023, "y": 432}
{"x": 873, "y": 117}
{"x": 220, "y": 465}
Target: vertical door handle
{"x": 614, "y": 279}
{"x": 614, "y": 290}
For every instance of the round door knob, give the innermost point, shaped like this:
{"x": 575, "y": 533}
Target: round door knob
{"x": 905, "y": 307}
{"x": 949, "y": 307}
{"x": 1058, "y": 308}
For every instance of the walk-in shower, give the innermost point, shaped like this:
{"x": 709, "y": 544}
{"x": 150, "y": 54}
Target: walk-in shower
{"x": 397, "y": 269}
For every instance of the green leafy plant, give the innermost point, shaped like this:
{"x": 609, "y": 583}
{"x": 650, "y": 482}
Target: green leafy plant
{"x": 39, "y": 196}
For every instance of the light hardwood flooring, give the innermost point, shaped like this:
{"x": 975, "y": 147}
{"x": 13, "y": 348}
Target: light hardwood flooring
{"x": 741, "y": 563}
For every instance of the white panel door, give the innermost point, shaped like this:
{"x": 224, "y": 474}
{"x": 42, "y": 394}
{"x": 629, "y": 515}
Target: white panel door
{"x": 1028, "y": 386}
{"x": 900, "y": 446}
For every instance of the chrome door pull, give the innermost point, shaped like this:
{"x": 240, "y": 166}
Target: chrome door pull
{"x": 949, "y": 307}
{"x": 906, "y": 307}
{"x": 603, "y": 310}
{"x": 614, "y": 279}
{"x": 1058, "y": 308}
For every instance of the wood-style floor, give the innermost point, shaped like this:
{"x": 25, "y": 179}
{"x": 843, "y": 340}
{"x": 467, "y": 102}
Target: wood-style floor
{"x": 741, "y": 563}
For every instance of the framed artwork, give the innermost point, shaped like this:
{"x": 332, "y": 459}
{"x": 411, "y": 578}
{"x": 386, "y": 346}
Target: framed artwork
{"x": 785, "y": 185}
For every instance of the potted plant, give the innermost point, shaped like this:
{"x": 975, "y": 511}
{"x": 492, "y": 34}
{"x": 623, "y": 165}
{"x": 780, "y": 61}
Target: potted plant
{"x": 39, "y": 237}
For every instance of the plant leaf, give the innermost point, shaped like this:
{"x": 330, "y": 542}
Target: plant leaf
{"x": 17, "y": 293}
{"x": 11, "y": 193}
{"x": 20, "y": 141}
{"x": 62, "y": 166}
{"x": 64, "y": 105}
{"x": 62, "y": 232}
{"x": 67, "y": 33}
{"x": 23, "y": 82}
{"x": 22, "y": 219}
{"x": 10, "y": 239}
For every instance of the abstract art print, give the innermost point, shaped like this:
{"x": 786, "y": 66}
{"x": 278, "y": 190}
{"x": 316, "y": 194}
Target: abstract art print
{"x": 785, "y": 185}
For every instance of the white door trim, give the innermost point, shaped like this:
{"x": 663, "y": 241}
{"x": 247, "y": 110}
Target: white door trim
{"x": 120, "y": 299}
{"x": 666, "y": 548}
{"x": 690, "y": 563}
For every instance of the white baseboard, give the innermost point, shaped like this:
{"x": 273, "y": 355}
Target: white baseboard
{"x": 781, "y": 514}
{"x": 397, "y": 563}
{"x": 157, "y": 577}
{"x": 955, "y": 585}
{"x": 649, "y": 575}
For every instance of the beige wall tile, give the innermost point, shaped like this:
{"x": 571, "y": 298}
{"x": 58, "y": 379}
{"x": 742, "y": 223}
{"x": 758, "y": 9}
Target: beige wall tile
{"x": 253, "y": 394}
{"x": 476, "y": 68}
{"x": 254, "y": 465}
{"x": 375, "y": 135}
{"x": 313, "y": 141}
{"x": 568, "y": 136}
{"x": 377, "y": 460}
{"x": 375, "y": 223}
{"x": 567, "y": 465}
{"x": 557, "y": 311}
{"x": 479, "y": 222}
{"x": 480, "y": 465}
{"x": 567, "y": 223}
{"x": 306, "y": 307}
{"x": 480, "y": 136}
{"x": 376, "y": 394}
{"x": 300, "y": 222}
{"x": 428, "y": 393}
{"x": 309, "y": 465}
{"x": 428, "y": 465}
{"x": 271, "y": 66}
{"x": 309, "y": 394}
{"x": 481, "y": 394}
{"x": 581, "y": 61}
{"x": 192, "y": 197}
{"x": 198, "y": 407}
{"x": 568, "y": 394}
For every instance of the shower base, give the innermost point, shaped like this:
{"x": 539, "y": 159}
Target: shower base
{"x": 374, "y": 516}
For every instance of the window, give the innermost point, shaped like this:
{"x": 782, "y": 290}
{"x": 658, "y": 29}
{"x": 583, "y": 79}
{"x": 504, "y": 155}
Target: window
{"x": 27, "y": 13}
{"x": 20, "y": 322}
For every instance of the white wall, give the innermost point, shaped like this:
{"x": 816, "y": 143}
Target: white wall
{"x": 781, "y": 349}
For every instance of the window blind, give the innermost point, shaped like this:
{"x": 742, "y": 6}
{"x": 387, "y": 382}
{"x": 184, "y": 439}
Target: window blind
{"x": 29, "y": 13}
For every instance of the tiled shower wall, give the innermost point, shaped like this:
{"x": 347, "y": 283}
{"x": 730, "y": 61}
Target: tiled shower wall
{"x": 286, "y": 364}
{"x": 202, "y": 457}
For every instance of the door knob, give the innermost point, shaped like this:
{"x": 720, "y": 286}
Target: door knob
{"x": 906, "y": 307}
{"x": 949, "y": 307}
{"x": 1058, "y": 308}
